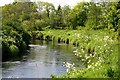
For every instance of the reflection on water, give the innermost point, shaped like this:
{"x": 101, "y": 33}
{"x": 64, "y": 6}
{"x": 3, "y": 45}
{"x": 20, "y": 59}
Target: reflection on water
{"x": 43, "y": 60}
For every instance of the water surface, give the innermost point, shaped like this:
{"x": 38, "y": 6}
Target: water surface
{"x": 42, "y": 60}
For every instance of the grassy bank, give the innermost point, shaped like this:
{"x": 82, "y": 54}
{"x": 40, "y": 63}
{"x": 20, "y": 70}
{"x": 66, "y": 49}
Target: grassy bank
{"x": 97, "y": 49}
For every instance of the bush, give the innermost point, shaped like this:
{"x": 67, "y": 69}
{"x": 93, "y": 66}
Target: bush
{"x": 14, "y": 50}
{"x": 23, "y": 47}
{"x": 26, "y": 37}
{"x": 5, "y": 50}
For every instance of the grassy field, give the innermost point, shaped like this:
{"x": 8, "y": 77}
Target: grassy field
{"x": 97, "y": 49}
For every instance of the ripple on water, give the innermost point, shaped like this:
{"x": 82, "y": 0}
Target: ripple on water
{"x": 15, "y": 62}
{"x": 38, "y": 46}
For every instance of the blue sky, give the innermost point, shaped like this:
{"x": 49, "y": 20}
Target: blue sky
{"x": 55, "y": 2}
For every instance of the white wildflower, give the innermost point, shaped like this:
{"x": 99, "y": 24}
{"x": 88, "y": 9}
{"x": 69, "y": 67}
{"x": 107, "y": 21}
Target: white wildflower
{"x": 78, "y": 35}
{"x": 83, "y": 51}
{"x": 87, "y": 57}
{"x": 106, "y": 38}
{"x": 80, "y": 56}
{"x": 75, "y": 51}
{"x": 83, "y": 59}
{"x": 90, "y": 55}
{"x": 89, "y": 66}
{"x": 67, "y": 70}
{"x": 79, "y": 53}
{"x": 92, "y": 63}
{"x": 89, "y": 61}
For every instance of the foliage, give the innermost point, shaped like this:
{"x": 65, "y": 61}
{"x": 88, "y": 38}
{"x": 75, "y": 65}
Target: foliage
{"x": 14, "y": 50}
{"x": 15, "y": 38}
{"x": 92, "y": 27}
{"x": 78, "y": 14}
{"x": 98, "y": 50}
{"x": 43, "y": 14}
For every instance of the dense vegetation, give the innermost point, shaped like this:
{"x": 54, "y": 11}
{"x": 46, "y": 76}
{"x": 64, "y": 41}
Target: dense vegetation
{"x": 93, "y": 27}
{"x": 98, "y": 50}
{"x": 15, "y": 37}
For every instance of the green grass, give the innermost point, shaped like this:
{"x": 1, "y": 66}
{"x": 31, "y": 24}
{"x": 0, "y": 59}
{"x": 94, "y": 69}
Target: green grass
{"x": 97, "y": 49}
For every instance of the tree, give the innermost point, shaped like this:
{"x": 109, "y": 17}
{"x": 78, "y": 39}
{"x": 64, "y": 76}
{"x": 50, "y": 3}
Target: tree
{"x": 78, "y": 15}
{"x": 16, "y": 22}
{"x": 94, "y": 16}
{"x": 59, "y": 18}
{"x": 65, "y": 12}
{"x": 46, "y": 11}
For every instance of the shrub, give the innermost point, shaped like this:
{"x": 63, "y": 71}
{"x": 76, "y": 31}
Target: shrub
{"x": 14, "y": 50}
{"x": 23, "y": 47}
{"x": 5, "y": 50}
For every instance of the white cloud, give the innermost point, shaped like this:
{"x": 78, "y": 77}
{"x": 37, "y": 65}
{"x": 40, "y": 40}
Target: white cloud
{"x": 64, "y": 2}
{"x": 3, "y": 2}
{"x": 55, "y": 2}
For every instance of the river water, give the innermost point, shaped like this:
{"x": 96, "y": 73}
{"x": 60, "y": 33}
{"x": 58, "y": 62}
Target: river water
{"x": 42, "y": 60}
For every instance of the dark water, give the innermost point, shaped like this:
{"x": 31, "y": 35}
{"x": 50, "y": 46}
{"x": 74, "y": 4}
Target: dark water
{"x": 42, "y": 60}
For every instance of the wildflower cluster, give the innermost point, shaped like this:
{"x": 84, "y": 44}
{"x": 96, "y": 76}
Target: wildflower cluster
{"x": 86, "y": 56}
{"x": 96, "y": 64}
{"x": 69, "y": 66}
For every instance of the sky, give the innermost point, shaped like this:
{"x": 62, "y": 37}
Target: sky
{"x": 55, "y": 2}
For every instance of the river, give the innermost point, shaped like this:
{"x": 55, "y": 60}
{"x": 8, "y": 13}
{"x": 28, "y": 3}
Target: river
{"x": 42, "y": 59}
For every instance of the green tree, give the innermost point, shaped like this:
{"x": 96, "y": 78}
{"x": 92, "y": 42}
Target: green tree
{"x": 65, "y": 12}
{"x": 16, "y": 22}
{"x": 78, "y": 15}
{"x": 94, "y": 16}
{"x": 47, "y": 12}
{"x": 59, "y": 18}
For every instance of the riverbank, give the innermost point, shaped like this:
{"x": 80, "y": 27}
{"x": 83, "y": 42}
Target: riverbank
{"x": 97, "y": 49}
